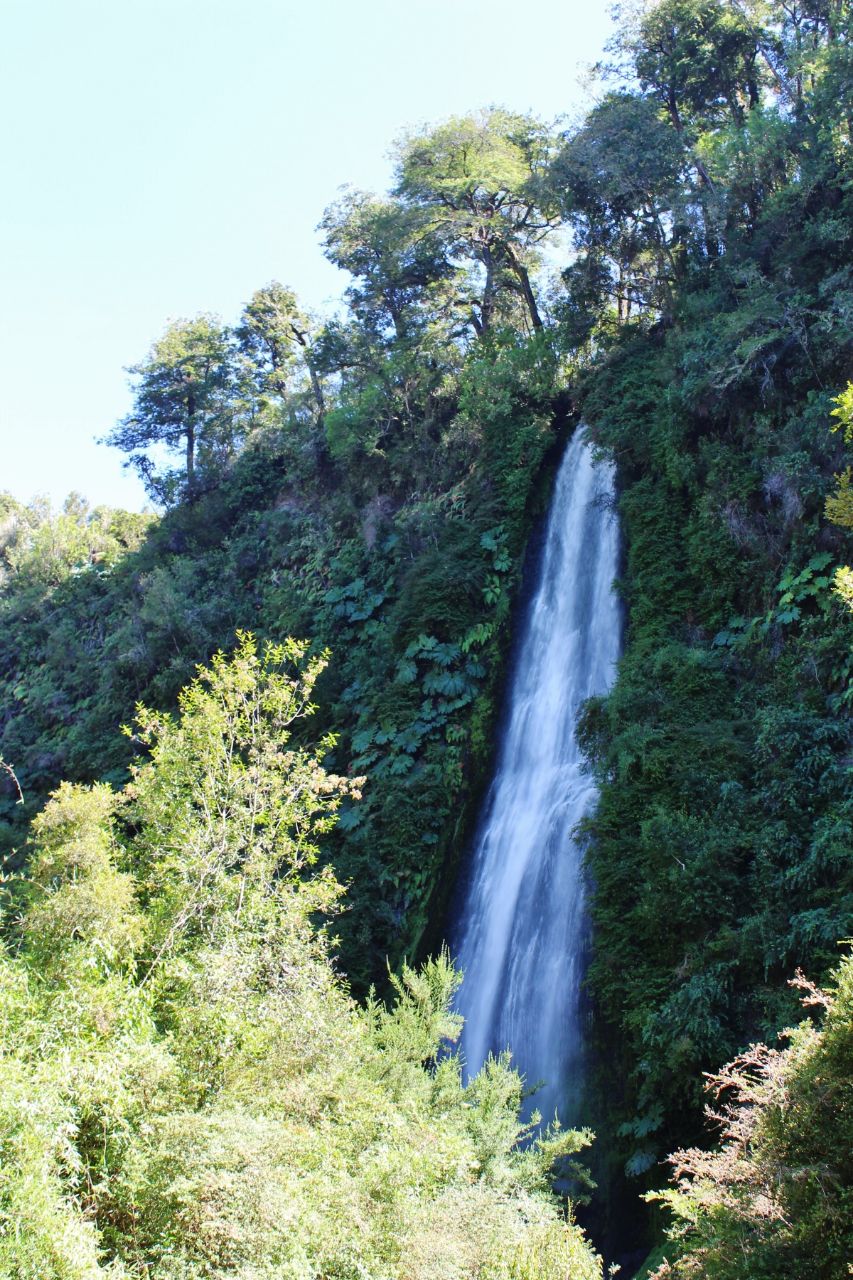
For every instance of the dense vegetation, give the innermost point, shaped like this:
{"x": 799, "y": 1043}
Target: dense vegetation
{"x": 722, "y": 850}
{"x": 188, "y": 1090}
{"x": 389, "y": 527}
{"x": 373, "y": 481}
{"x": 777, "y": 1198}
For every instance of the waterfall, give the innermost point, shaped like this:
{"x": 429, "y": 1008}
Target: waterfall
{"x": 522, "y": 927}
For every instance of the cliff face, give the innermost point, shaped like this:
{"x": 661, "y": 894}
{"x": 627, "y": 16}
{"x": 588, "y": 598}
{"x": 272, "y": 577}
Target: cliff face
{"x": 719, "y": 843}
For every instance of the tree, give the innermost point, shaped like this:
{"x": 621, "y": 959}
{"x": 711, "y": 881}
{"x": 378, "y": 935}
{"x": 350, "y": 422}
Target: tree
{"x": 802, "y": 42}
{"x": 275, "y": 334}
{"x": 616, "y": 179}
{"x": 700, "y": 59}
{"x": 395, "y": 256}
{"x": 481, "y": 179}
{"x": 392, "y": 357}
{"x": 185, "y": 399}
{"x": 40, "y": 548}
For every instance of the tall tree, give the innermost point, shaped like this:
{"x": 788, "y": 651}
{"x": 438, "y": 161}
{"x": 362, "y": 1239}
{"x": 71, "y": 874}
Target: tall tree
{"x": 700, "y": 58}
{"x": 616, "y": 179}
{"x": 396, "y": 258}
{"x": 481, "y": 179}
{"x": 277, "y": 336}
{"x": 186, "y": 398}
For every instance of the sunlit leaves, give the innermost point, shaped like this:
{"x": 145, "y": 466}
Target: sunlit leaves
{"x": 187, "y": 1086}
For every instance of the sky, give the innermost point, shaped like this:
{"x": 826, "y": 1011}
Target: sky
{"x": 168, "y": 157}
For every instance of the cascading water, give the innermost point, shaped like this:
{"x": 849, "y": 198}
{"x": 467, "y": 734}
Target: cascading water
{"x": 521, "y": 936}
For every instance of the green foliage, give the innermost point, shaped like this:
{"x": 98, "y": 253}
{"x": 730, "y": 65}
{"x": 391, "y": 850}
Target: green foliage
{"x": 776, "y": 1198}
{"x": 480, "y": 179}
{"x": 397, "y": 260}
{"x": 187, "y": 1087}
{"x": 720, "y": 849}
{"x": 80, "y": 902}
{"x": 617, "y": 180}
{"x": 184, "y": 400}
{"x": 699, "y": 57}
{"x": 839, "y": 505}
{"x": 277, "y": 339}
{"x": 373, "y": 482}
{"x": 39, "y": 549}
{"x": 796, "y": 591}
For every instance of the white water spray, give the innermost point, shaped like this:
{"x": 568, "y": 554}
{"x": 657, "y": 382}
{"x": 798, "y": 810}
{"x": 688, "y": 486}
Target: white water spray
{"x": 521, "y": 937}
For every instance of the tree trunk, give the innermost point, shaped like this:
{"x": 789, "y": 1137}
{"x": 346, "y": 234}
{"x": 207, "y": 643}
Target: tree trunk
{"x": 672, "y": 108}
{"x": 316, "y": 386}
{"x": 190, "y": 439}
{"x": 396, "y": 319}
{"x": 190, "y": 453}
{"x": 488, "y": 304}
{"x": 527, "y": 291}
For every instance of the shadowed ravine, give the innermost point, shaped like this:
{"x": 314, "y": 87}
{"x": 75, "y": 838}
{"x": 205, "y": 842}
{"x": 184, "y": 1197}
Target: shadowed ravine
{"x": 522, "y": 925}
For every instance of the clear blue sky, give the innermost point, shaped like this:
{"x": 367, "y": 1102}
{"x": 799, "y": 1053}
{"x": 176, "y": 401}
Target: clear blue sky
{"x": 166, "y": 157}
